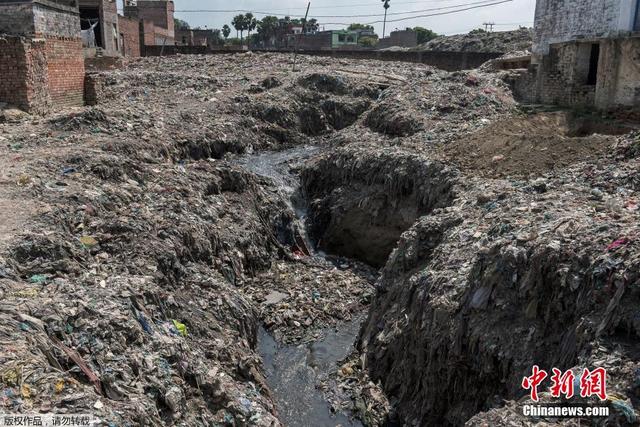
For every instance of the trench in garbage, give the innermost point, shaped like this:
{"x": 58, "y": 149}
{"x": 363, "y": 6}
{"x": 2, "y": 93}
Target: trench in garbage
{"x": 294, "y": 372}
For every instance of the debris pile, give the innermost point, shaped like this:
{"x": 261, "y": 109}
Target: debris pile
{"x": 140, "y": 251}
{"x": 482, "y": 41}
{"x": 362, "y": 199}
{"x": 516, "y": 272}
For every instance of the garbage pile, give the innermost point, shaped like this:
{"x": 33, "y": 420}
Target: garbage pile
{"x": 482, "y": 41}
{"x": 146, "y": 254}
{"x": 516, "y": 272}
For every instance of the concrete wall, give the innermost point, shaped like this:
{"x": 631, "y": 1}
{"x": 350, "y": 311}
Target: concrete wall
{"x": 620, "y": 65}
{"x": 23, "y": 67}
{"x": 57, "y": 20}
{"x": 129, "y": 36}
{"x": 38, "y": 17}
{"x": 560, "y": 78}
{"x": 558, "y": 21}
{"x": 399, "y": 38}
{"x": 451, "y": 61}
{"x": 322, "y": 40}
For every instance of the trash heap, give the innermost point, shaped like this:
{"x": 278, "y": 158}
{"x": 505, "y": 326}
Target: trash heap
{"x": 482, "y": 41}
{"x": 514, "y": 273}
{"x": 139, "y": 256}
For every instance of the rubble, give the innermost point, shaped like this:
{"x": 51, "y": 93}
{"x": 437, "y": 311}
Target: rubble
{"x": 510, "y": 257}
{"x": 143, "y": 249}
{"x": 482, "y": 41}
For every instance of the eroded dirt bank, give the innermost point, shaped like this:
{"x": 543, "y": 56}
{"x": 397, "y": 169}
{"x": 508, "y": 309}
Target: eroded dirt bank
{"x": 145, "y": 240}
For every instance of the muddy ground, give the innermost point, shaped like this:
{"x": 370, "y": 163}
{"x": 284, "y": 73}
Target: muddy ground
{"x": 145, "y": 241}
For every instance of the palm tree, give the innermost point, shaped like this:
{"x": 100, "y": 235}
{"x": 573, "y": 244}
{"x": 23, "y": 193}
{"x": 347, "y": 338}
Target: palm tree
{"x": 267, "y": 29}
{"x": 239, "y": 24}
{"x": 226, "y": 31}
{"x": 250, "y": 23}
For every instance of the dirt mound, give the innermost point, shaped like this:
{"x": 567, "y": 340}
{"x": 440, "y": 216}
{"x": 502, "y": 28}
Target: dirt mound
{"x": 532, "y": 144}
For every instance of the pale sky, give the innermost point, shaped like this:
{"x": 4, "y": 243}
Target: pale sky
{"x": 507, "y": 15}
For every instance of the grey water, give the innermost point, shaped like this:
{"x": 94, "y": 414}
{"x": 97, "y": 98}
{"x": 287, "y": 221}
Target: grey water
{"x": 278, "y": 166}
{"x": 294, "y": 372}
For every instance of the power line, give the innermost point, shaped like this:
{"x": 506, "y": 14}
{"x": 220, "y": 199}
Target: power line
{"x": 367, "y": 5}
{"x": 481, "y": 2}
{"x": 442, "y": 13}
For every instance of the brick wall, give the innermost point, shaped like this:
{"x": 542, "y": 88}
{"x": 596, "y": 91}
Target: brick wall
{"x": 561, "y": 77}
{"x": 158, "y": 12}
{"x": 109, "y": 16}
{"x": 321, "y": 40}
{"x": 130, "y": 32}
{"x": 45, "y": 68}
{"x": 56, "y": 20}
{"x": 16, "y": 19}
{"x": 23, "y": 67}
{"x": 66, "y": 71}
{"x": 184, "y": 37}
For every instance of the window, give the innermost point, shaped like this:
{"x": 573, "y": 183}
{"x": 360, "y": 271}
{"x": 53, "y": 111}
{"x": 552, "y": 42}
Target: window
{"x": 342, "y": 38}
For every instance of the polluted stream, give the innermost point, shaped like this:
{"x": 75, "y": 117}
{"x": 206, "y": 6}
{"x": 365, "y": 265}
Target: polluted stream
{"x": 294, "y": 372}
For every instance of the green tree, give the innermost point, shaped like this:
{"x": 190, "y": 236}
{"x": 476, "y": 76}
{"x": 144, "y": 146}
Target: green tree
{"x": 250, "y": 23}
{"x": 312, "y": 26}
{"x": 179, "y": 24}
{"x": 368, "y": 41}
{"x": 268, "y": 28}
{"x": 356, "y": 26}
{"x": 226, "y": 30}
{"x": 424, "y": 35}
{"x": 240, "y": 24}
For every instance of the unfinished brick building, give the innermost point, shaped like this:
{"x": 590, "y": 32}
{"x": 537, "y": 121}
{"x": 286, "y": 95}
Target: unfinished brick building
{"x": 157, "y": 20}
{"x": 586, "y": 53}
{"x": 41, "y": 59}
{"x": 103, "y": 13}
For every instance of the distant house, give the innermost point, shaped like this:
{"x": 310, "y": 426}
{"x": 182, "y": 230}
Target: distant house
{"x": 586, "y": 53}
{"x": 342, "y": 38}
{"x": 197, "y": 37}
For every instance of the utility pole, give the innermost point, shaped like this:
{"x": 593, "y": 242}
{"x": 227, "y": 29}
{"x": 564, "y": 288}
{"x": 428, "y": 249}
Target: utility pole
{"x": 304, "y": 25}
{"x": 489, "y": 26}
{"x": 386, "y": 7}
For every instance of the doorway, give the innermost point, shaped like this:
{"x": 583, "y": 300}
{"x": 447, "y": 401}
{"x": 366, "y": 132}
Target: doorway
{"x": 592, "y": 77}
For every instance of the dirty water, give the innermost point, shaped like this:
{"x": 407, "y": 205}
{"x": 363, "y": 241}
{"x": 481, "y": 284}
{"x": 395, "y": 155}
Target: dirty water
{"x": 279, "y": 166}
{"x": 294, "y": 374}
